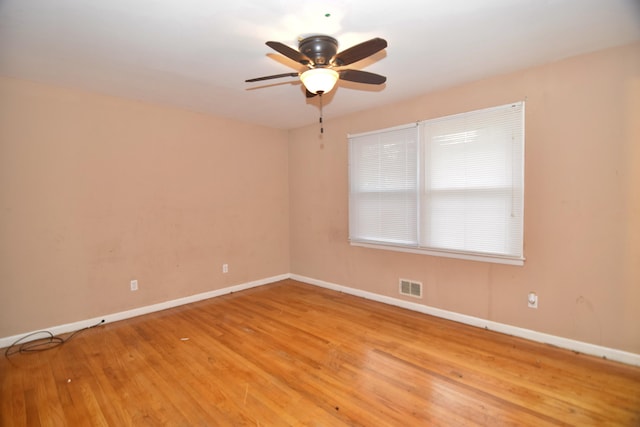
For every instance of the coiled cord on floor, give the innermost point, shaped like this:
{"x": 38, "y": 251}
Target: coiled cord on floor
{"x": 41, "y": 344}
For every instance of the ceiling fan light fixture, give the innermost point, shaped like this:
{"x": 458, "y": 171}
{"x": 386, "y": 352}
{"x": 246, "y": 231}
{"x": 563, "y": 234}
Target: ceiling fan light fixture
{"x": 319, "y": 80}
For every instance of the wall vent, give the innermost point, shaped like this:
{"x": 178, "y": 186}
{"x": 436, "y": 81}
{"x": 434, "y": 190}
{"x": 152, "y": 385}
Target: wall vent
{"x": 411, "y": 288}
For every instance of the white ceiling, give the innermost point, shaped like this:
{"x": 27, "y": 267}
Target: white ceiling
{"x": 196, "y": 54}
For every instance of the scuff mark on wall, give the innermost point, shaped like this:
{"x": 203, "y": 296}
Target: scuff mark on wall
{"x": 586, "y": 323}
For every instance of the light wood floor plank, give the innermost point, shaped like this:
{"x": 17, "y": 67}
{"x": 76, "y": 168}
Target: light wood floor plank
{"x": 293, "y": 354}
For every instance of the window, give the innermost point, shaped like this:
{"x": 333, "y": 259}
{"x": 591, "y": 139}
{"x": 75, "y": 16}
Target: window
{"x": 451, "y": 186}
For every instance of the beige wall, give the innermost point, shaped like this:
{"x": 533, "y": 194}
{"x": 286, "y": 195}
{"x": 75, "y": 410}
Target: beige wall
{"x": 582, "y": 204}
{"x": 96, "y": 191}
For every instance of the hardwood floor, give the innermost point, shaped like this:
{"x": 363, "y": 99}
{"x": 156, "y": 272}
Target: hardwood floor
{"x": 294, "y": 354}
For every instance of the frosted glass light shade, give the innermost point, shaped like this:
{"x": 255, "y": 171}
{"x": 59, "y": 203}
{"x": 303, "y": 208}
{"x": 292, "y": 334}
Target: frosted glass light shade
{"x": 318, "y": 80}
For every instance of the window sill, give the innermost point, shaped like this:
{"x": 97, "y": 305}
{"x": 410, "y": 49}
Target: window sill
{"x": 496, "y": 259}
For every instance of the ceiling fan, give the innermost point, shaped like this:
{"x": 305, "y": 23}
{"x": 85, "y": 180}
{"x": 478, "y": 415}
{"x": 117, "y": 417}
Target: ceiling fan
{"x": 319, "y": 54}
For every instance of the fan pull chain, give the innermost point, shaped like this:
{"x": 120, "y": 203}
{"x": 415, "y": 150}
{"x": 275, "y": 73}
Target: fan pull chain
{"x": 321, "y": 125}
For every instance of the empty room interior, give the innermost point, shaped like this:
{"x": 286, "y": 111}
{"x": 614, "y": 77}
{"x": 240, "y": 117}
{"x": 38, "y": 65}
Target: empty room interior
{"x": 185, "y": 242}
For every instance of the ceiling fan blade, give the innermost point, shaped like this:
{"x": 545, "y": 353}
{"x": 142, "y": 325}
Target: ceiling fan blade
{"x": 289, "y": 52}
{"x": 360, "y": 51}
{"x": 362, "y": 77}
{"x": 275, "y": 76}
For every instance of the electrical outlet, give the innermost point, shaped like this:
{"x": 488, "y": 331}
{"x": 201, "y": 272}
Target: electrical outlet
{"x": 532, "y": 300}
{"x": 225, "y": 268}
{"x": 134, "y": 285}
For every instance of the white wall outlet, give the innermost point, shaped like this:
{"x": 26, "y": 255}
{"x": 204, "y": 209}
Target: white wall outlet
{"x": 225, "y": 268}
{"x": 532, "y": 300}
{"x": 134, "y": 285}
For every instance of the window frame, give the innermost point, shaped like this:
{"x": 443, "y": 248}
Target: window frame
{"x": 418, "y": 247}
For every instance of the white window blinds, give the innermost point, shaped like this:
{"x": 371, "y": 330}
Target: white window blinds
{"x": 448, "y": 186}
{"x": 384, "y": 186}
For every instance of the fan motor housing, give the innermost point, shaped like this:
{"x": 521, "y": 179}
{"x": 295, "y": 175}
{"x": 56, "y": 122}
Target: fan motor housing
{"x": 320, "y": 49}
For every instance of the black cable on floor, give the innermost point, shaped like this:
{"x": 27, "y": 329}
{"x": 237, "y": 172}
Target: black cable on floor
{"x": 42, "y": 344}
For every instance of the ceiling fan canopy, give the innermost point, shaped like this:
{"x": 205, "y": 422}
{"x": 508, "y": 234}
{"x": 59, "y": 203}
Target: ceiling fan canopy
{"x": 319, "y": 53}
{"x": 320, "y": 50}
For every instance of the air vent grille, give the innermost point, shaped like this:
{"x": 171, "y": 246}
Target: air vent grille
{"x": 411, "y": 288}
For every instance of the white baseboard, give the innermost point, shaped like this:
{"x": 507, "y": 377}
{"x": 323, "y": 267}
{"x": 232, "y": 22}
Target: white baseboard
{"x": 569, "y": 344}
{"x": 70, "y": 327}
{"x": 578, "y": 346}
